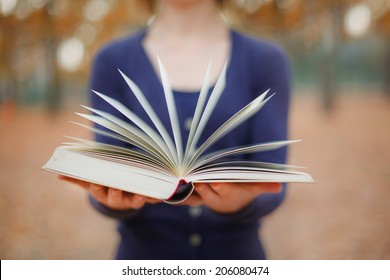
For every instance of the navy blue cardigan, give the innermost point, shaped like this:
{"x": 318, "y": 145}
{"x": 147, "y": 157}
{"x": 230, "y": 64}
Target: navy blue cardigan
{"x": 163, "y": 231}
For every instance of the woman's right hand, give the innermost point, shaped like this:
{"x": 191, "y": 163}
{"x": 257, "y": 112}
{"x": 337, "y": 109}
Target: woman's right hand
{"x": 112, "y": 198}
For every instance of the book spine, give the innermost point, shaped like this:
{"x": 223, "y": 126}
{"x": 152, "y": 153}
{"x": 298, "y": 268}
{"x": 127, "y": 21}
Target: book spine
{"x": 183, "y": 191}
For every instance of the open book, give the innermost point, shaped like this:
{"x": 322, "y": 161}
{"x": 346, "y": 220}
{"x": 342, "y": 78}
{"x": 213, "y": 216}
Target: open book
{"x": 160, "y": 166}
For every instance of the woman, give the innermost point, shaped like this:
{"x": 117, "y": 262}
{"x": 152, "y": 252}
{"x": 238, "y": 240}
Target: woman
{"x": 221, "y": 220}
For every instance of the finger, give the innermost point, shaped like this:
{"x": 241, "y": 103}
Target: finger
{"x": 114, "y": 198}
{"x": 99, "y": 193}
{"x": 134, "y": 201}
{"x": 151, "y": 200}
{"x": 223, "y": 189}
{"x": 193, "y": 200}
{"x": 259, "y": 188}
{"x": 271, "y": 187}
{"x": 206, "y": 193}
{"x": 275, "y": 188}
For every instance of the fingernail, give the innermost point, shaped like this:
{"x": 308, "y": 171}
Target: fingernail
{"x": 95, "y": 187}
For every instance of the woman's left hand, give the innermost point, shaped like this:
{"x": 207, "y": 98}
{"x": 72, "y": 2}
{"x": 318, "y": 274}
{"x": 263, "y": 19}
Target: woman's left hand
{"x": 229, "y": 197}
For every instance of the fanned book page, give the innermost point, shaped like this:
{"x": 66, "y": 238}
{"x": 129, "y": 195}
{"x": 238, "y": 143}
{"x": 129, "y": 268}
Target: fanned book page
{"x": 160, "y": 166}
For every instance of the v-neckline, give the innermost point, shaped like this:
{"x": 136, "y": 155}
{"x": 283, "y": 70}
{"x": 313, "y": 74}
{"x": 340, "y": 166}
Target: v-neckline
{"x": 154, "y": 72}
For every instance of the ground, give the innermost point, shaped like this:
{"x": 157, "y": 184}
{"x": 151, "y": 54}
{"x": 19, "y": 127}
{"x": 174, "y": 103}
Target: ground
{"x": 344, "y": 215}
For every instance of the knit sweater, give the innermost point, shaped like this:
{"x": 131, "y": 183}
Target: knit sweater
{"x": 162, "y": 231}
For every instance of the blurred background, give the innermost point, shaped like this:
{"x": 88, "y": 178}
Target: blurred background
{"x": 340, "y": 60}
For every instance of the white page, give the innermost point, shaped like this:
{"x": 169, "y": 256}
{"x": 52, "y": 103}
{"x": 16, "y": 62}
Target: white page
{"x": 106, "y": 133}
{"x": 132, "y": 137}
{"x": 124, "y": 177}
{"x": 124, "y": 154}
{"x": 244, "y": 164}
{"x": 248, "y": 111}
{"x": 135, "y": 131}
{"x": 241, "y": 169}
{"x": 117, "y": 122}
{"x": 152, "y": 115}
{"x": 212, "y": 102}
{"x": 249, "y": 176}
{"x": 204, "y": 160}
{"x": 142, "y": 162}
{"x": 198, "y": 112}
{"x": 140, "y": 123}
{"x": 172, "y": 113}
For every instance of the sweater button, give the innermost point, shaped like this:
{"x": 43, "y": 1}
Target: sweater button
{"x": 195, "y": 239}
{"x": 195, "y": 211}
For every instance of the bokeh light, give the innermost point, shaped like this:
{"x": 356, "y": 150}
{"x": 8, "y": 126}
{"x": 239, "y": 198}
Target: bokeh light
{"x": 7, "y": 6}
{"x": 357, "y": 20}
{"x": 96, "y": 10}
{"x": 71, "y": 54}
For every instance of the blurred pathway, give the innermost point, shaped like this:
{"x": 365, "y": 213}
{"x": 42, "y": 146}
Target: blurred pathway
{"x": 345, "y": 215}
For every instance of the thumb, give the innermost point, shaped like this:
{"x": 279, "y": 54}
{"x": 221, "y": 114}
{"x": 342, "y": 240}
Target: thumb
{"x": 266, "y": 188}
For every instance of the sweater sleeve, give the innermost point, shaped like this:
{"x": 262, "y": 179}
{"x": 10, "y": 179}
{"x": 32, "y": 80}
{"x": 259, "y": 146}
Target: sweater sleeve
{"x": 270, "y": 70}
{"x": 277, "y": 79}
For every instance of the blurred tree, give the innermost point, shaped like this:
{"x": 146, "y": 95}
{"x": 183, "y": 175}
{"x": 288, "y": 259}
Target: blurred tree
{"x": 32, "y": 33}
{"x": 383, "y": 24}
{"x": 313, "y": 26}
